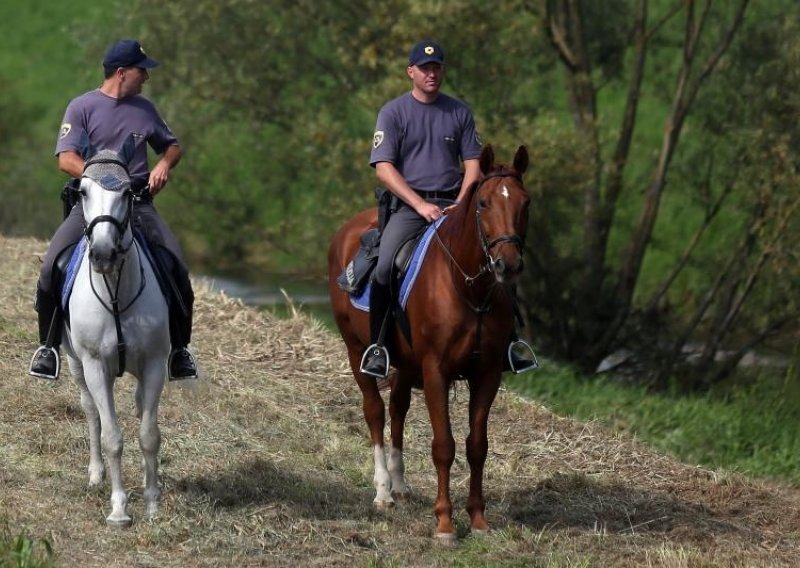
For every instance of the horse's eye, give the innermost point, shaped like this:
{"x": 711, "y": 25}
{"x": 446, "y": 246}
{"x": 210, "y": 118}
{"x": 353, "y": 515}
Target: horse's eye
{"x": 482, "y": 204}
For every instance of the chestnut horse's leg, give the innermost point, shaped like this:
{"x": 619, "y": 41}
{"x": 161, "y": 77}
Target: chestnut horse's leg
{"x": 443, "y": 447}
{"x": 375, "y": 416}
{"x": 483, "y": 389}
{"x": 399, "y": 402}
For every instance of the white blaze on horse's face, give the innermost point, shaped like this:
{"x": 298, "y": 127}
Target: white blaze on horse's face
{"x": 503, "y": 213}
{"x": 106, "y": 215}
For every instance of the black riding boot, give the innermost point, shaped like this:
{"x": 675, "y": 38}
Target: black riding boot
{"x": 46, "y": 363}
{"x": 375, "y": 361}
{"x": 181, "y": 361}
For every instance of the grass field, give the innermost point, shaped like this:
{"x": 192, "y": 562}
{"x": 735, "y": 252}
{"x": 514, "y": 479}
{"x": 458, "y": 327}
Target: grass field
{"x": 267, "y": 462}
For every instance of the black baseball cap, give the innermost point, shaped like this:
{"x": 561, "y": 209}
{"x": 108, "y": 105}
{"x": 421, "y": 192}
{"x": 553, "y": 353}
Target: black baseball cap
{"x": 127, "y": 53}
{"x": 426, "y": 52}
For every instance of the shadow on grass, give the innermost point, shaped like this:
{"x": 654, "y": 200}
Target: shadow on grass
{"x": 575, "y": 501}
{"x": 257, "y": 482}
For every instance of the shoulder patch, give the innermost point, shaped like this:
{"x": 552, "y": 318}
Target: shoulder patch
{"x": 377, "y": 138}
{"x": 65, "y": 129}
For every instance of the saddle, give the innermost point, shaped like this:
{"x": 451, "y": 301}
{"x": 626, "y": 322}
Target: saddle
{"x": 69, "y": 260}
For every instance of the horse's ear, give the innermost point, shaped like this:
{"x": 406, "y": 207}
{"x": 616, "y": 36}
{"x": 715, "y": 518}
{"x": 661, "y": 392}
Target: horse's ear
{"x": 85, "y": 146}
{"x": 521, "y": 160}
{"x": 128, "y": 148}
{"x": 487, "y": 159}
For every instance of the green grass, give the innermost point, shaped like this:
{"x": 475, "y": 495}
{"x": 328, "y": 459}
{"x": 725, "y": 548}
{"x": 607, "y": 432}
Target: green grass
{"x": 750, "y": 429}
{"x": 22, "y": 551}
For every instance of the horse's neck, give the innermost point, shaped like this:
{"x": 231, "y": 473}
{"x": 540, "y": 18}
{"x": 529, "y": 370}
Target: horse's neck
{"x": 460, "y": 237}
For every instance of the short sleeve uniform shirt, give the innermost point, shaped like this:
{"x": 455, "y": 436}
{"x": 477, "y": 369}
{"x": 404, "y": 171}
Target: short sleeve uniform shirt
{"x": 109, "y": 121}
{"x": 426, "y": 142}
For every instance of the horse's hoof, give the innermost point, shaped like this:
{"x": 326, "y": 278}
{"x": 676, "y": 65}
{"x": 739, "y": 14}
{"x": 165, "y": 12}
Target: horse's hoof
{"x": 119, "y": 522}
{"x": 446, "y": 538}
{"x": 479, "y": 532}
{"x": 383, "y": 505}
{"x": 403, "y": 497}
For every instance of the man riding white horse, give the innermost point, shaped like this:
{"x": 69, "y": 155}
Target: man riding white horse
{"x": 108, "y": 115}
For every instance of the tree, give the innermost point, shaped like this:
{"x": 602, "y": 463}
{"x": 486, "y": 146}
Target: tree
{"x": 599, "y": 310}
{"x": 662, "y": 165}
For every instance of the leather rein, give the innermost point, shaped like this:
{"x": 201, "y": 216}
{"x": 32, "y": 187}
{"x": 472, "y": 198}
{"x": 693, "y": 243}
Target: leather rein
{"x": 486, "y": 244}
{"x": 486, "y": 267}
{"x": 121, "y": 226}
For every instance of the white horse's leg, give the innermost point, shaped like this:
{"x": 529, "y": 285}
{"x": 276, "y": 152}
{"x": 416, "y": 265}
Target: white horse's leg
{"x": 397, "y": 471}
{"x": 97, "y": 469}
{"x": 382, "y": 480}
{"x": 148, "y": 396}
{"x": 101, "y": 386}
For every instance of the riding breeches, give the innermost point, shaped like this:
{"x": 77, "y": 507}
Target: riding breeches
{"x": 402, "y": 225}
{"x": 70, "y": 232}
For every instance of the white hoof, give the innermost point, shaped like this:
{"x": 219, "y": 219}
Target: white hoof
{"x": 446, "y": 539}
{"x": 119, "y": 522}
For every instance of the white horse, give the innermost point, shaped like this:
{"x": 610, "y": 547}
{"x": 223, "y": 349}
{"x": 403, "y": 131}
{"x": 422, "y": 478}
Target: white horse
{"x": 118, "y": 322}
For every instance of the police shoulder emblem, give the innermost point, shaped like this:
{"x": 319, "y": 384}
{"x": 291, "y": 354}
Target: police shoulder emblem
{"x": 377, "y": 139}
{"x": 65, "y": 129}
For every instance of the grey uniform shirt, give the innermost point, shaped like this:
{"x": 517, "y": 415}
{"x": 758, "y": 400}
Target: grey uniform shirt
{"x": 109, "y": 121}
{"x": 426, "y": 142}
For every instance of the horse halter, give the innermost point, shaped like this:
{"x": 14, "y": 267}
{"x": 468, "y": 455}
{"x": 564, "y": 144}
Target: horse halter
{"x": 486, "y": 244}
{"x": 121, "y": 225}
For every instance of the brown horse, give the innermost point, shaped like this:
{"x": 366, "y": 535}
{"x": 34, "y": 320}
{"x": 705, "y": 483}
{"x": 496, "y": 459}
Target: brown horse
{"x": 461, "y": 318}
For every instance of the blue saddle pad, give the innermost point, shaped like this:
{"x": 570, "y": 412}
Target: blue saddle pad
{"x": 75, "y": 264}
{"x": 72, "y": 272}
{"x": 361, "y": 301}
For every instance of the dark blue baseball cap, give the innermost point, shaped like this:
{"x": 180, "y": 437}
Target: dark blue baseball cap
{"x": 127, "y": 53}
{"x": 426, "y": 52}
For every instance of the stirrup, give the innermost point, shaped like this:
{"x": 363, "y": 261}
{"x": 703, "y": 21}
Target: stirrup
{"x": 373, "y": 351}
{"x": 41, "y": 350}
{"x": 193, "y": 361}
{"x": 529, "y": 363}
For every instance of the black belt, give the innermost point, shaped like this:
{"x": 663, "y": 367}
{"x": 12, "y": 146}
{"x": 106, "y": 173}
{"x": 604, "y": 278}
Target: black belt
{"x": 141, "y": 191}
{"x": 450, "y": 195}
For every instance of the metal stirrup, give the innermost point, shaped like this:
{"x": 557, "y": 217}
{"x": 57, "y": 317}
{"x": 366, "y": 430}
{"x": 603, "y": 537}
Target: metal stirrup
{"x": 375, "y": 349}
{"x": 54, "y": 353}
{"x": 534, "y": 361}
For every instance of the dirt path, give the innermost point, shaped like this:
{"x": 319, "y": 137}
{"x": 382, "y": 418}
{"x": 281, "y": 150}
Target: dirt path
{"x": 267, "y": 462}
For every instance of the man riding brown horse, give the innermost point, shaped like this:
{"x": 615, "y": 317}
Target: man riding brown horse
{"x": 420, "y": 140}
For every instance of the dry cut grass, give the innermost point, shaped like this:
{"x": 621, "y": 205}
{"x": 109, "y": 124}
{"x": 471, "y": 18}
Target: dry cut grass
{"x": 267, "y": 462}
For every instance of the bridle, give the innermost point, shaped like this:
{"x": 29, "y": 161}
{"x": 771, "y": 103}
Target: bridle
{"x": 121, "y": 226}
{"x": 486, "y": 244}
{"x": 483, "y": 307}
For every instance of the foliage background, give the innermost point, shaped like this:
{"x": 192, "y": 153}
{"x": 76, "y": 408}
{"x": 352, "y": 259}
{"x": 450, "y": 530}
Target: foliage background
{"x": 275, "y": 104}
